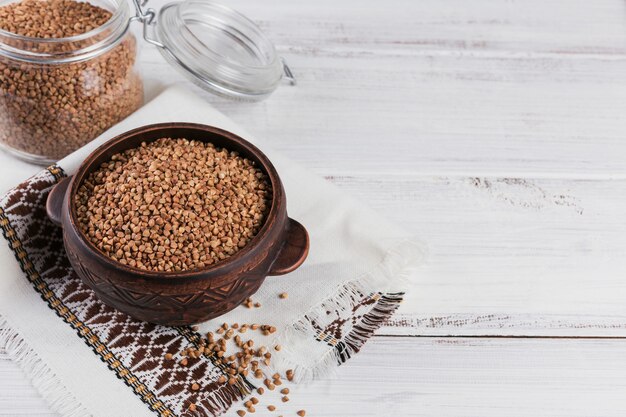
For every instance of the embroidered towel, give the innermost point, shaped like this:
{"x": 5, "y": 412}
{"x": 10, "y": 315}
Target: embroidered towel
{"x": 87, "y": 359}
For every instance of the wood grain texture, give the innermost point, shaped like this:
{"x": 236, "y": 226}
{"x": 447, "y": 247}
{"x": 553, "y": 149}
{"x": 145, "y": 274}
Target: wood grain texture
{"x": 497, "y": 88}
{"x": 411, "y": 377}
{"x": 475, "y": 377}
{"x": 519, "y": 256}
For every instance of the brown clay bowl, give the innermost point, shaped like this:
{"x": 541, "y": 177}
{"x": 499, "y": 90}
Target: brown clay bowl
{"x": 179, "y": 298}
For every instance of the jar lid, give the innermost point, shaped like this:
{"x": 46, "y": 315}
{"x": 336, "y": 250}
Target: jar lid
{"x": 217, "y": 48}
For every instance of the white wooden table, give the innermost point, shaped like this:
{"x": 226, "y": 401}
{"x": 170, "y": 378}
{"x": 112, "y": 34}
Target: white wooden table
{"x": 496, "y": 131}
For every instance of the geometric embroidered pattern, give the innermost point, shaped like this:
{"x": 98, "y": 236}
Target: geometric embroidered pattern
{"x": 134, "y": 350}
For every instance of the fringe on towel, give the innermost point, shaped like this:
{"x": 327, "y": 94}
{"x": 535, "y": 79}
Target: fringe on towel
{"x": 214, "y": 404}
{"x": 386, "y": 279}
{"x": 382, "y": 311}
{"x": 44, "y": 380}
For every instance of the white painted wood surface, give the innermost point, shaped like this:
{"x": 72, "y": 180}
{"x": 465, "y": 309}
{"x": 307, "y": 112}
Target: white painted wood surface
{"x": 425, "y": 377}
{"x": 494, "y": 130}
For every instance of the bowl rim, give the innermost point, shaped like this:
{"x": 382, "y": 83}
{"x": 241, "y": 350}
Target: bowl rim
{"x": 221, "y": 267}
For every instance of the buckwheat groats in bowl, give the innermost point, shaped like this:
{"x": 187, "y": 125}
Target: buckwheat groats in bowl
{"x": 66, "y": 74}
{"x": 173, "y": 205}
{"x": 176, "y": 223}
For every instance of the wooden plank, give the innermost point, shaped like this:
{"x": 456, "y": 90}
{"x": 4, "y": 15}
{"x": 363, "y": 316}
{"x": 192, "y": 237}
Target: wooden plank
{"x": 484, "y": 377}
{"x": 446, "y": 377}
{"x": 506, "y": 325}
{"x": 574, "y": 27}
{"x": 508, "y": 255}
{"x": 410, "y": 108}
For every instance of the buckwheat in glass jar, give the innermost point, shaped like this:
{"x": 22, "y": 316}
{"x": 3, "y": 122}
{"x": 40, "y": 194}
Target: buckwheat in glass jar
{"x": 67, "y": 73}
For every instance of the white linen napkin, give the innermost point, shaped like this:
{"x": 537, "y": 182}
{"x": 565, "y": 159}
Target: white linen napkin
{"x": 351, "y": 282}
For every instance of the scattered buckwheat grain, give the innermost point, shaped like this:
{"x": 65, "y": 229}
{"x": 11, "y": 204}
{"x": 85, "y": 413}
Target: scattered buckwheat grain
{"x": 239, "y": 361}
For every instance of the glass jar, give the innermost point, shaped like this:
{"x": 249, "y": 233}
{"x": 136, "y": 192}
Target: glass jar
{"x": 217, "y": 48}
{"x": 58, "y": 94}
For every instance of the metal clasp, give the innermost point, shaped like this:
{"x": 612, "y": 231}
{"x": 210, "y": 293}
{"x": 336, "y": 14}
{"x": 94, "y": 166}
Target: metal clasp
{"x": 148, "y": 19}
{"x": 291, "y": 79}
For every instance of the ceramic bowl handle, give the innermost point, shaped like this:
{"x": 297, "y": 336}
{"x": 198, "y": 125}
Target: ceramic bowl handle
{"x": 294, "y": 251}
{"x": 54, "y": 204}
